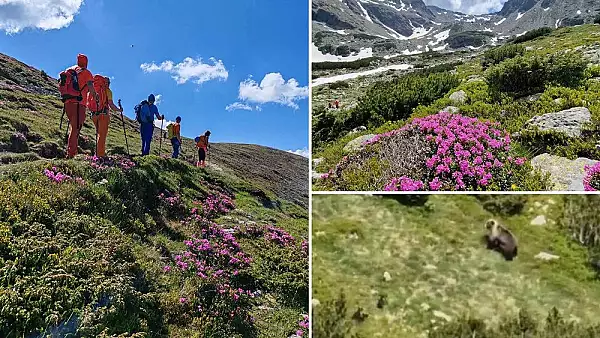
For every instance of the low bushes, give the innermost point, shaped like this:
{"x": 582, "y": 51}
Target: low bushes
{"x": 496, "y": 55}
{"x": 522, "y": 325}
{"x": 385, "y": 101}
{"x": 366, "y": 62}
{"x": 532, "y": 34}
{"x": 524, "y": 75}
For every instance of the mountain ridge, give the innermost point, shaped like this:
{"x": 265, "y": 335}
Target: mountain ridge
{"x": 410, "y": 27}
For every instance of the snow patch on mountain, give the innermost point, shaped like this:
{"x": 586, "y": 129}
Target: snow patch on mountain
{"x": 318, "y": 56}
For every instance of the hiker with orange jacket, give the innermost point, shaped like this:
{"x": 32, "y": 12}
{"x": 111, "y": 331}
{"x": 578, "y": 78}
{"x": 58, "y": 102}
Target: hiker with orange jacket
{"x": 202, "y": 145}
{"x": 76, "y": 83}
{"x": 101, "y": 113}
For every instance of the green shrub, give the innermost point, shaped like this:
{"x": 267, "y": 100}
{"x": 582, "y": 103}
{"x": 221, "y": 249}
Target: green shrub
{"x": 366, "y": 62}
{"x": 519, "y": 76}
{"x": 496, "y": 55}
{"x": 385, "y": 101}
{"x": 331, "y": 320}
{"x": 525, "y": 75}
{"x": 522, "y": 325}
{"x": 505, "y": 205}
{"x": 581, "y": 219}
{"x": 593, "y": 71}
{"x": 566, "y": 69}
{"x": 394, "y": 100}
{"x": 409, "y": 200}
{"x": 339, "y": 84}
{"x": 468, "y": 38}
{"x": 533, "y": 34}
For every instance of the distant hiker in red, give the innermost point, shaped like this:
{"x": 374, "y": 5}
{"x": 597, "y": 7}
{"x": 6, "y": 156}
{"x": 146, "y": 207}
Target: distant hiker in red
{"x": 75, "y": 84}
{"x": 202, "y": 145}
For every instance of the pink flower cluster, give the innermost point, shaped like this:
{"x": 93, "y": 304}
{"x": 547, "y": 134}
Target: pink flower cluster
{"x": 213, "y": 206}
{"x": 170, "y": 201}
{"x": 304, "y": 247}
{"x": 217, "y": 204}
{"x": 59, "y": 177}
{"x": 303, "y": 326}
{"x": 591, "y": 181}
{"x": 216, "y": 258}
{"x": 279, "y": 236}
{"x": 100, "y": 163}
{"x": 468, "y": 153}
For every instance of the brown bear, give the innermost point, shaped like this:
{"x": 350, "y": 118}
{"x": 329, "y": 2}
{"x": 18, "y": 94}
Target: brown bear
{"x": 500, "y": 239}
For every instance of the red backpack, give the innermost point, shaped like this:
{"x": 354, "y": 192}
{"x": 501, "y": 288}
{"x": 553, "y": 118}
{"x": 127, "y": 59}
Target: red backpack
{"x": 100, "y": 87}
{"x": 68, "y": 84}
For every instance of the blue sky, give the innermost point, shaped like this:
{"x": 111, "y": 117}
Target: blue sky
{"x": 238, "y": 68}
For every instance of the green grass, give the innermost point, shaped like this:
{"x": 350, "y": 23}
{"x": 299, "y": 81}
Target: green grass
{"x": 438, "y": 264}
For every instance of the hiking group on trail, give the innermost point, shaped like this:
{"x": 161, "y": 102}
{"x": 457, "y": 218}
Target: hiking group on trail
{"x": 81, "y": 92}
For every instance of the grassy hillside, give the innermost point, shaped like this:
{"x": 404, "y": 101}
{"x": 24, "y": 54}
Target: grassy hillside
{"x": 30, "y": 105}
{"x": 143, "y": 246}
{"x": 544, "y": 72}
{"x": 442, "y": 281}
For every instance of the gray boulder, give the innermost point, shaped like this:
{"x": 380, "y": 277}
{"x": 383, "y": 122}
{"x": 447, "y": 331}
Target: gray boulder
{"x": 565, "y": 174}
{"x": 357, "y": 143}
{"x": 452, "y": 109}
{"x": 569, "y": 121}
{"x": 459, "y": 97}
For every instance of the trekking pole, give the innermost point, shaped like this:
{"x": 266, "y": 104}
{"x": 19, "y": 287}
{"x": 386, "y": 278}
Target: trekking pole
{"x": 61, "y": 122}
{"x": 96, "y": 125}
{"x": 162, "y": 122}
{"x": 124, "y": 131}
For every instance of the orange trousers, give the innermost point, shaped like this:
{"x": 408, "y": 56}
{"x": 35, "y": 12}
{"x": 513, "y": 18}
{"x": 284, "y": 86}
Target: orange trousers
{"x": 76, "y": 114}
{"x": 101, "y": 122}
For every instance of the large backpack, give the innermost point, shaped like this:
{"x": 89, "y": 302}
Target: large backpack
{"x": 68, "y": 84}
{"x": 170, "y": 132}
{"x": 100, "y": 86}
{"x": 138, "y": 111}
{"x": 202, "y": 141}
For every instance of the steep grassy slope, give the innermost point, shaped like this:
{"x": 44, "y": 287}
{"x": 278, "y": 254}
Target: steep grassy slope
{"x": 105, "y": 251}
{"x": 439, "y": 269}
{"x": 143, "y": 246}
{"x": 29, "y": 104}
{"x": 555, "y": 71}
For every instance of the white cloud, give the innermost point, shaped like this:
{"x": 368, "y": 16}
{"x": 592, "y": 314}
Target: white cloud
{"x": 190, "y": 70}
{"x": 158, "y": 123}
{"x": 273, "y": 88}
{"x": 469, "y": 6}
{"x": 302, "y": 152}
{"x": 16, "y": 15}
{"x": 157, "y": 99}
{"x": 238, "y": 106}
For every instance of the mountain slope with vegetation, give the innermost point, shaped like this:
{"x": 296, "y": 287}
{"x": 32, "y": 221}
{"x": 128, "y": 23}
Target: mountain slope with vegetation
{"x": 418, "y": 266}
{"x": 539, "y": 94}
{"x": 31, "y": 108}
{"x": 143, "y": 246}
{"x": 355, "y": 28}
